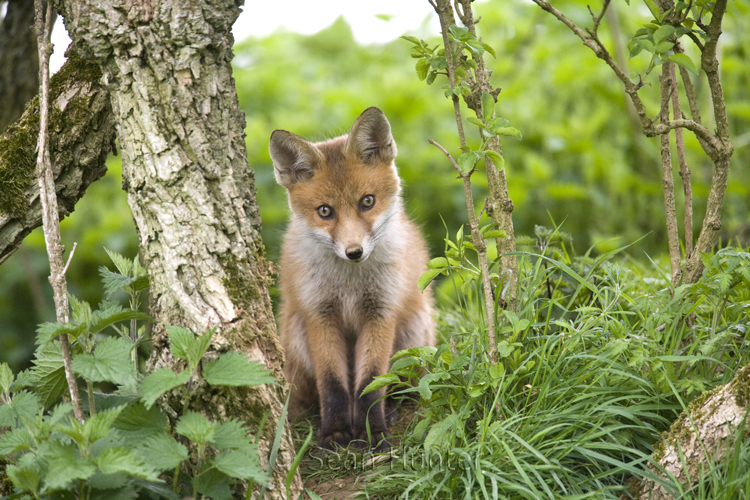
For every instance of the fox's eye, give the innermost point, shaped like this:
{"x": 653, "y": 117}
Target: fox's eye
{"x": 325, "y": 212}
{"x": 367, "y": 202}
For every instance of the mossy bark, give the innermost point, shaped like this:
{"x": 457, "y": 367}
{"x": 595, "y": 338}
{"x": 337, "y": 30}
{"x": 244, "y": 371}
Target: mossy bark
{"x": 167, "y": 66}
{"x": 81, "y": 135}
{"x": 700, "y": 435}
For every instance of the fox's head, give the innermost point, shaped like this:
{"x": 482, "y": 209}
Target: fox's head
{"x": 346, "y": 189}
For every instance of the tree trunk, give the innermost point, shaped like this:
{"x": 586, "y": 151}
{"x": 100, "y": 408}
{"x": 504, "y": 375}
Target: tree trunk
{"x": 81, "y": 135}
{"x": 19, "y": 62}
{"x": 190, "y": 188}
{"x": 701, "y": 435}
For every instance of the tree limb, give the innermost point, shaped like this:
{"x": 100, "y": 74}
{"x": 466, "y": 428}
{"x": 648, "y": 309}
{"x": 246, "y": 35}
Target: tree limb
{"x": 82, "y": 133}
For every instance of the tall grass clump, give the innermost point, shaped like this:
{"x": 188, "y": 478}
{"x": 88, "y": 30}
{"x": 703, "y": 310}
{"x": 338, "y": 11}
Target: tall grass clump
{"x": 598, "y": 358}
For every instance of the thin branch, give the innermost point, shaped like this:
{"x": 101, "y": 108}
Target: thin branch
{"x": 684, "y": 170}
{"x": 667, "y": 179}
{"x": 51, "y": 222}
{"x": 445, "y": 13}
{"x": 70, "y": 257}
{"x": 481, "y": 246}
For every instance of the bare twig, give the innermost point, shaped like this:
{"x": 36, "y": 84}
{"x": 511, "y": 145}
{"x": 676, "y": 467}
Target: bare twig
{"x": 70, "y": 257}
{"x": 478, "y": 240}
{"x": 43, "y": 27}
{"x": 684, "y": 170}
{"x": 667, "y": 180}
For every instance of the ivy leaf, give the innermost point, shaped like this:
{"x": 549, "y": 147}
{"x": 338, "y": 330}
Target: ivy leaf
{"x": 162, "y": 452}
{"x": 684, "y": 61}
{"x": 195, "y": 427}
{"x": 488, "y": 106}
{"x": 427, "y": 278}
{"x": 234, "y": 369}
{"x": 120, "y": 459}
{"x": 158, "y": 382}
{"x": 110, "y": 362}
{"x": 241, "y": 464}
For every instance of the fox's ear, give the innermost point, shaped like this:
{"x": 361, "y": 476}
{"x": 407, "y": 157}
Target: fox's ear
{"x": 370, "y": 138}
{"x": 294, "y": 159}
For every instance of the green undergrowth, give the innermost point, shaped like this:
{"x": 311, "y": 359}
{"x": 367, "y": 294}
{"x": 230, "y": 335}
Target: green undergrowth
{"x": 596, "y": 360}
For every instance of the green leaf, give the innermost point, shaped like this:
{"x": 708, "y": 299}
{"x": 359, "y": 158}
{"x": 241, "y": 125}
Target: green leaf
{"x": 125, "y": 266}
{"x": 26, "y": 478}
{"x": 162, "y": 452}
{"x": 195, "y": 427}
{"x": 489, "y": 49}
{"x": 509, "y": 131}
{"x": 431, "y": 77}
{"x": 634, "y": 48}
{"x": 15, "y": 440}
{"x": 504, "y": 349}
{"x": 214, "y": 485}
{"x": 381, "y": 381}
{"x": 113, "y": 281}
{"x": 684, "y": 61}
{"x": 198, "y": 348}
{"x": 241, "y": 465}
{"x": 663, "y": 47}
{"x": 662, "y": 33}
{"x": 180, "y": 340}
{"x": 49, "y": 374}
{"x": 26, "y": 405}
{"x": 495, "y": 233}
{"x": 110, "y": 362}
{"x": 422, "y": 67}
{"x": 497, "y": 371}
{"x": 6, "y": 377}
{"x": 438, "y": 263}
{"x": 495, "y": 157}
{"x": 120, "y": 459}
{"x": 467, "y": 161}
{"x": 63, "y": 468}
{"x": 646, "y": 45}
{"x": 158, "y": 382}
{"x": 652, "y": 8}
{"x": 427, "y": 278}
{"x": 48, "y": 331}
{"x": 235, "y": 369}
{"x": 488, "y": 106}
{"x": 230, "y": 435}
{"x": 139, "y": 422}
{"x": 100, "y": 425}
{"x": 112, "y": 313}
{"x": 411, "y": 39}
{"x": 81, "y": 310}
{"x": 442, "y": 432}
{"x": 476, "y": 121}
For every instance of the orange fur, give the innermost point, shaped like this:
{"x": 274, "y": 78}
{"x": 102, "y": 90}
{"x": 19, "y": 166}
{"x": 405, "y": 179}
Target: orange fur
{"x": 348, "y": 281}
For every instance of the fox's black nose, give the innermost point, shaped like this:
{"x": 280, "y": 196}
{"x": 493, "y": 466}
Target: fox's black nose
{"x": 354, "y": 253}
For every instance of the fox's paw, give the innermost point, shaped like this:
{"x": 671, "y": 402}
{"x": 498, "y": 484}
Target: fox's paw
{"x": 380, "y": 441}
{"x": 331, "y": 439}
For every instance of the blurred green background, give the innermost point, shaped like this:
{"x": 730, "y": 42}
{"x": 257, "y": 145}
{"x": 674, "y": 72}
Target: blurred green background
{"x": 582, "y": 159}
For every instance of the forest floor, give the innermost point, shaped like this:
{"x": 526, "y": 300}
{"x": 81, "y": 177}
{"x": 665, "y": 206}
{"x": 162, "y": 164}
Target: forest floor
{"x": 339, "y": 475}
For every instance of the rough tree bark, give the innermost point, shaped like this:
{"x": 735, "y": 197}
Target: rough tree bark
{"x": 19, "y": 62}
{"x": 701, "y": 435}
{"x": 82, "y": 132}
{"x": 180, "y": 130}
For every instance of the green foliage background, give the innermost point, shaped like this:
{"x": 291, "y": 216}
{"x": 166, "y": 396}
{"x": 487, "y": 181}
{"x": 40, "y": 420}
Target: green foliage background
{"x": 582, "y": 160}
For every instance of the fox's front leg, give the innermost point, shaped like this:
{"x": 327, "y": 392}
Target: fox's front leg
{"x": 373, "y": 352}
{"x": 328, "y": 350}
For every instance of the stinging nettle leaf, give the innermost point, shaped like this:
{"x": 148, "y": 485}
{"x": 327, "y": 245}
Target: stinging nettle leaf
{"x": 49, "y": 374}
{"x": 6, "y": 377}
{"x": 110, "y": 362}
{"x": 180, "y": 340}
{"x": 158, "y": 382}
{"x": 122, "y": 460}
{"x": 195, "y": 427}
{"x": 230, "y": 435}
{"x": 241, "y": 465}
{"x": 139, "y": 422}
{"x": 198, "y": 348}
{"x": 162, "y": 452}
{"x": 234, "y": 369}
{"x": 125, "y": 266}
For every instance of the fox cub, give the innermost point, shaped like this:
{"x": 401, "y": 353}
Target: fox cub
{"x": 349, "y": 269}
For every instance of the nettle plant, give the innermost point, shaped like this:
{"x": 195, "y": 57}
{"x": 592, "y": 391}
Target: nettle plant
{"x": 126, "y": 447}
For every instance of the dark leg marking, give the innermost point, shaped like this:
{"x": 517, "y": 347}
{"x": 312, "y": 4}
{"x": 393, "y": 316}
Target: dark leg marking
{"x": 366, "y": 410}
{"x": 336, "y": 423}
